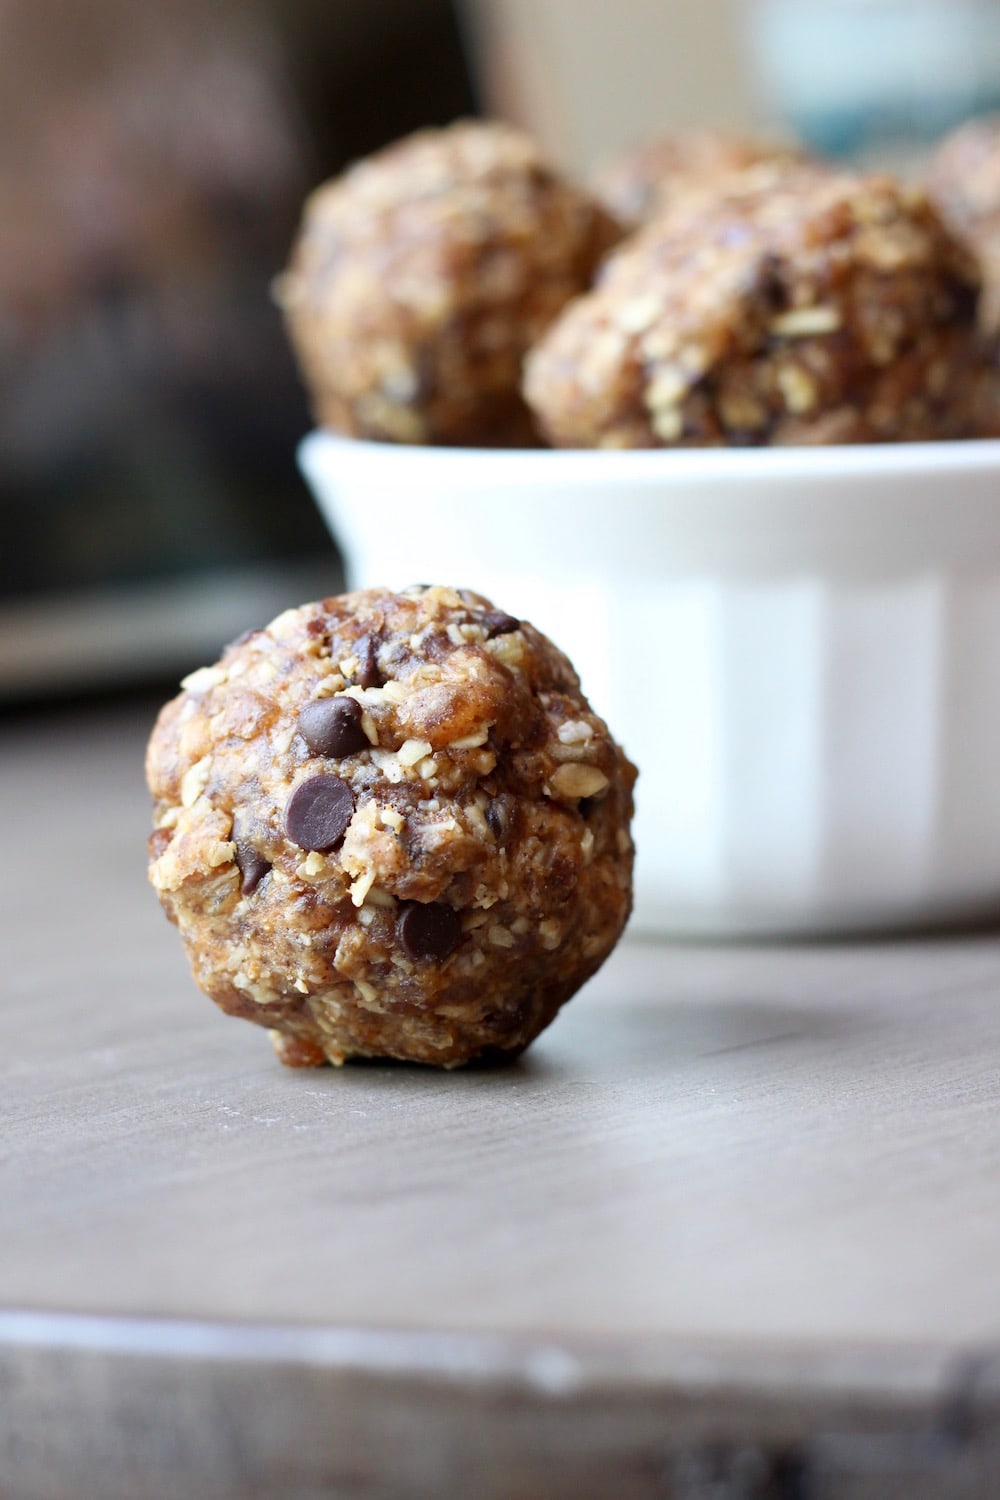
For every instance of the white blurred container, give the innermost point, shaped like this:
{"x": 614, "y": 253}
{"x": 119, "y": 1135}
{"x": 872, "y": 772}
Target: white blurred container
{"x": 800, "y": 648}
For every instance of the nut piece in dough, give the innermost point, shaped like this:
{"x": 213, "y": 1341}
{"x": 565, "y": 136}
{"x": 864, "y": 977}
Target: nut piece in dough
{"x": 792, "y": 306}
{"x": 426, "y": 875}
{"x": 422, "y": 275}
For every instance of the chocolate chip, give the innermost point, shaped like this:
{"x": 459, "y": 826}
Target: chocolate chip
{"x": 428, "y": 929}
{"x": 332, "y": 726}
{"x": 500, "y": 817}
{"x": 318, "y": 812}
{"x": 495, "y": 622}
{"x": 366, "y": 650}
{"x": 965, "y": 300}
{"x": 252, "y": 866}
{"x": 767, "y": 280}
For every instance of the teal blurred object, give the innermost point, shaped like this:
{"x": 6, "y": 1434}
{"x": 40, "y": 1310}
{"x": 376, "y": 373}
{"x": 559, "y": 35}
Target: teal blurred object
{"x": 875, "y": 80}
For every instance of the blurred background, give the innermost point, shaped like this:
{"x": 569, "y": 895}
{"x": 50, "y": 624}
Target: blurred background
{"x": 154, "y": 161}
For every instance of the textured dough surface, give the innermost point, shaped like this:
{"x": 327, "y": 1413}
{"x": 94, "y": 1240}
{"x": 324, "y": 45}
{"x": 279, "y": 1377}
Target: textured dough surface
{"x": 796, "y": 305}
{"x": 655, "y": 175}
{"x": 481, "y": 862}
{"x": 964, "y": 182}
{"x": 422, "y": 275}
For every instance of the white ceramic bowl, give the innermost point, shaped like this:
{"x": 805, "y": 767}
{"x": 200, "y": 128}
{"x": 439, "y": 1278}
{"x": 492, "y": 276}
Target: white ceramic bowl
{"x": 800, "y": 649}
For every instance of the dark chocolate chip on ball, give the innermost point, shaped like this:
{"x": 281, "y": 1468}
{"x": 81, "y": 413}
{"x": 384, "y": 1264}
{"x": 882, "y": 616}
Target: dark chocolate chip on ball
{"x": 252, "y": 867}
{"x": 332, "y": 726}
{"x": 366, "y": 650}
{"x": 496, "y": 622}
{"x": 500, "y": 817}
{"x": 429, "y": 929}
{"x": 318, "y": 812}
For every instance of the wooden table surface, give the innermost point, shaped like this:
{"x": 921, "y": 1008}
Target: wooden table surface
{"x": 730, "y": 1230}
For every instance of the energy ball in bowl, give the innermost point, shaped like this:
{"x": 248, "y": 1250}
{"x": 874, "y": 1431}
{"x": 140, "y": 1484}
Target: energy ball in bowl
{"x": 964, "y": 182}
{"x": 390, "y": 825}
{"x": 421, "y": 277}
{"x": 658, "y": 174}
{"x": 796, "y": 306}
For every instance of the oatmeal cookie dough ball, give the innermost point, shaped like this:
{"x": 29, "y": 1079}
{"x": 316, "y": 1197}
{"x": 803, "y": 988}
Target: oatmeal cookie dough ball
{"x": 390, "y": 825}
{"x": 423, "y": 274}
{"x": 964, "y": 182}
{"x": 804, "y": 307}
{"x": 658, "y": 174}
